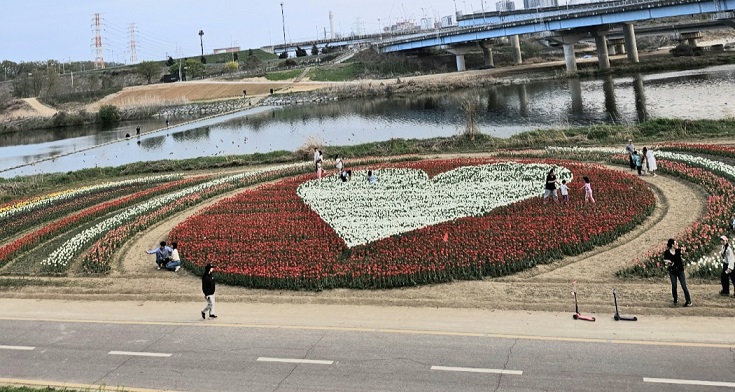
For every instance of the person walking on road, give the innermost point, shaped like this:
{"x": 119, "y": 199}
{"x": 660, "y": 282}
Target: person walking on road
{"x": 728, "y": 262}
{"x": 208, "y": 289}
{"x": 672, "y": 257}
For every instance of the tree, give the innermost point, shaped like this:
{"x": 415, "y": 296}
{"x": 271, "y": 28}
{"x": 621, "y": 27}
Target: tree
{"x": 314, "y": 50}
{"x": 250, "y": 52}
{"x": 231, "y": 66}
{"x": 235, "y": 57}
{"x": 149, "y": 70}
{"x": 300, "y": 52}
{"x": 283, "y": 55}
{"x": 203, "y": 60}
{"x": 193, "y": 68}
{"x": 170, "y": 61}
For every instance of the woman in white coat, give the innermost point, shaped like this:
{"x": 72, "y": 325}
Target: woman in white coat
{"x": 728, "y": 264}
{"x": 651, "y": 161}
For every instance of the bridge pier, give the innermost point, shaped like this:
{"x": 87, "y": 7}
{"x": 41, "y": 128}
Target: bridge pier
{"x": 459, "y": 53}
{"x": 569, "y": 58}
{"x": 515, "y": 44}
{"x": 487, "y": 53}
{"x": 630, "y": 44}
{"x": 690, "y": 38}
{"x": 616, "y": 46}
{"x": 602, "y": 55}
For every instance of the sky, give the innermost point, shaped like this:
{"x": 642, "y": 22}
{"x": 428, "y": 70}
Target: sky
{"x": 39, "y": 30}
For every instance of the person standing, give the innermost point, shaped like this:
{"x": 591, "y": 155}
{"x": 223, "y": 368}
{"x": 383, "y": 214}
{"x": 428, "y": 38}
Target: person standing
{"x": 137, "y": 131}
{"x": 550, "y": 187}
{"x": 587, "y": 190}
{"x": 651, "y": 160}
{"x": 163, "y": 254}
{"x": 208, "y": 290}
{"x": 338, "y": 164}
{"x": 316, "y": 156}
{"x": 564, "y": 192}
{"x": 630, "y": 148}
{"x": 175, "y": 263}
{"x": 637, "y": 162}
{"x": 675, "y": 265}
{"x": 644, "y": 161}
{"x": 728, "y": 262}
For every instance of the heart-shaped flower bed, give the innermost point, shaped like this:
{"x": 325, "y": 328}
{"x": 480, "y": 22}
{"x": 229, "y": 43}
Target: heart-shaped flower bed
{"x": 406, "y": 199}
{"x": 270, "y": 238}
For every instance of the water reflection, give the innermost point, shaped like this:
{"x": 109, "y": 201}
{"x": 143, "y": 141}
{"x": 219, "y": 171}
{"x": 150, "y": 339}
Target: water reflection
{"x": 507, "y": 110}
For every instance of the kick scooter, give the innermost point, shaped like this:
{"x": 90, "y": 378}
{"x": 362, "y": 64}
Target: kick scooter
{"x": 577, "y": 315}
{"x": 617, "y": 314}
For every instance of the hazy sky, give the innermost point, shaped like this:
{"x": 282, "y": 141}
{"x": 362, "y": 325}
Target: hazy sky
{"x": 62, "y": 30}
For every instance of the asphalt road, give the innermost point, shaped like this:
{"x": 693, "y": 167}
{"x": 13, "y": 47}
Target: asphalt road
{"x": 370, "y": 349}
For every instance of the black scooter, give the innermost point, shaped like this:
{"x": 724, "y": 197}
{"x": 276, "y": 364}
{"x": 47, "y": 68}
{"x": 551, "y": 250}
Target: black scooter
{"x": 617, "y": 314}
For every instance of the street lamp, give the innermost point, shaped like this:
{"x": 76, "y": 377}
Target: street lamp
{"x": 283, "y": 21}
{"x": 201, "y": 40}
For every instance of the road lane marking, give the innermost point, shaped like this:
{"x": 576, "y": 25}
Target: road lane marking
{"x": 689, "y": 382}
{"x": 198, "y": 324}
{"x": 477, "y": 370}
{"x": 295, "y": 360}
{"x": 21, "y": 348}
{"x": 139, "y": 354}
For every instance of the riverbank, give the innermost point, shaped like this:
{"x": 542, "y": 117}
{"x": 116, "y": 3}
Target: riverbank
{"x": 213, "y": 96}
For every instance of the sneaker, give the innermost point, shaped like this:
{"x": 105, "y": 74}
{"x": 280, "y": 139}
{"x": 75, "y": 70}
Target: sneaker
{"x": 158, "y": 268}
{"x": 204, "y": 316}
{"x": 676, "y": 302}
{"x": 212, "y": 316}
{"x": 178, "y": 267}
{"x": 724, "y": 294}
{"x": 688, "y": 305}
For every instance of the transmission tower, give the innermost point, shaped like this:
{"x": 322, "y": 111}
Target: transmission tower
{"x": 133, "y": 54}
{"x": 99, "y": 60}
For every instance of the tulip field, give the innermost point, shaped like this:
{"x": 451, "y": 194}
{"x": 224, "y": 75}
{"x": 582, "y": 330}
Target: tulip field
{"x": 422, "y": 221}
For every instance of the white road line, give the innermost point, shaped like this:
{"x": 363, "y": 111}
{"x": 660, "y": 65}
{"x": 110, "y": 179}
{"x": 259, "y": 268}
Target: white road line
{"x": 21, "y": 348}
{"x": 477, "y": 370}
{"x": 292, "y": 360}
{"x": 139, "y": 354}
{"x": 689, "y": 382}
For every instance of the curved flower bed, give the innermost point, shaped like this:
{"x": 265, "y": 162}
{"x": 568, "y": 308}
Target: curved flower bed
{"x": 269, "y": 237}
{"x": 701, "y": 237}
{"x": 59, "y": 260}
{"x": 31, "y": 240}
{"x": 14, "y": 208}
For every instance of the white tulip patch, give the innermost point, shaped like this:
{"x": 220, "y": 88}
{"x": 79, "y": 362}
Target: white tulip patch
{"x": 403, "y": 200}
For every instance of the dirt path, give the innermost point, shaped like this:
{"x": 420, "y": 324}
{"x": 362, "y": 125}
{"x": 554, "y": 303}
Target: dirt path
{"x": 41, "y": 109}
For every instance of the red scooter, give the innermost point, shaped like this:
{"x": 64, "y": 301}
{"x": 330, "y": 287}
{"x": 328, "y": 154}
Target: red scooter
{"x": 577, "y": 315}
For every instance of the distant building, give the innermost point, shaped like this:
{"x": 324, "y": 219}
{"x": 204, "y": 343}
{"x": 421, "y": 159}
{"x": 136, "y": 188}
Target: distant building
{"x": 227, "y": 50}
{"x": 426, "y": 23}
{"x": 531, "y": 4}
{"x": 505, "y": 5}
{"x": 447, "y": 21}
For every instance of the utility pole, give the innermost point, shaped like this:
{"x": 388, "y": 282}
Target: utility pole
{"x": 283, "y": 21}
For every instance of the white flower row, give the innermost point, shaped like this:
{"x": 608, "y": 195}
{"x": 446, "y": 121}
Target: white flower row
{"x": 50, "y": 199}
{"x": 403, "y": 200}
{"x": 61, "y": 257}
{"x": 674, "y": 156}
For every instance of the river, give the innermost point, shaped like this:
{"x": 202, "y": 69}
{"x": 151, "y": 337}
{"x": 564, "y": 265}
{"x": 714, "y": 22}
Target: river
{"x": 505, "y": 110}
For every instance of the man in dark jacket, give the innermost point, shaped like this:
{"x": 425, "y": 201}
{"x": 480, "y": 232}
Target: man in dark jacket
{"x": 208, "y": 289}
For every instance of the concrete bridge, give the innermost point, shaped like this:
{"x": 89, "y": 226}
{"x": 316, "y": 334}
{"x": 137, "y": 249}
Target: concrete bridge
{"x": 565, "y": 25}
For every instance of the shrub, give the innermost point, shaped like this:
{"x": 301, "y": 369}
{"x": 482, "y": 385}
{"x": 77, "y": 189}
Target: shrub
{"x": 108, "y": 114}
